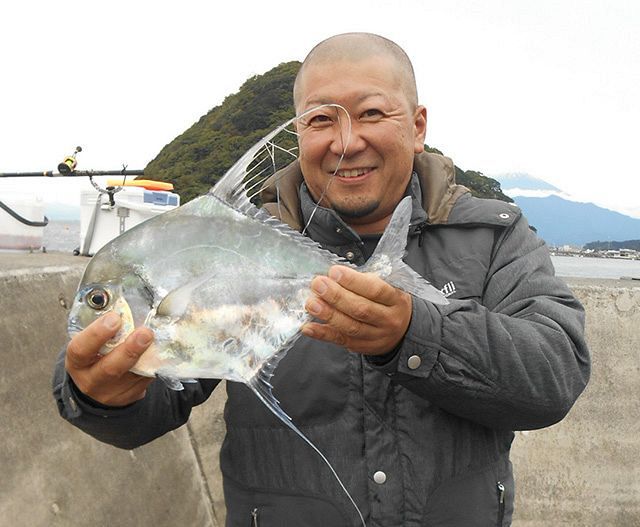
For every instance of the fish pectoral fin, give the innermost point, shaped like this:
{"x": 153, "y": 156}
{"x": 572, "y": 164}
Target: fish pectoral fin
{"x": 176, "y": 301}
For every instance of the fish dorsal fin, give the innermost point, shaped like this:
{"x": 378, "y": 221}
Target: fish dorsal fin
{"x": 232, "y": 186}
{"x": 386, "y": 260}
{"x": 231, "y": 190}
{"x": 260, "y": 384}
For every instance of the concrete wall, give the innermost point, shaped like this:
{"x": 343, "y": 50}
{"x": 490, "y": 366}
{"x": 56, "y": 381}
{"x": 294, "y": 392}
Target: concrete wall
{"x": 584, "y": 471}
{"x": 53, "y": 475}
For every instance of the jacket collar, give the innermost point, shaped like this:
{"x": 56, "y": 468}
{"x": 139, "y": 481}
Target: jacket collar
{"x": 435, "y": 177}
{"x": 328, "y": 228}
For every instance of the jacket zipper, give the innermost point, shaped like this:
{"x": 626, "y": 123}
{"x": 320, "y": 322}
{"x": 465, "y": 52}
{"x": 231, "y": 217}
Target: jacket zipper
{"x": 500, "y": 487}
{"x": 419, "y": 230}
{"x": 254, "y": 518}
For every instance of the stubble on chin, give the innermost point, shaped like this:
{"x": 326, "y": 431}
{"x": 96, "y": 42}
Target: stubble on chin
{"x": 355, "y": 210}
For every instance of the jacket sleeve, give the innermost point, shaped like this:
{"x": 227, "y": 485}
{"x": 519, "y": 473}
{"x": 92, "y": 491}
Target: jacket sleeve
{"x": 161, "y": 411}
{"x": 516, "y": 360}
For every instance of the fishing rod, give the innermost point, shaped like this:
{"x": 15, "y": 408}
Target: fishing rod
{"x": 67, "y": 168}
{"x": 75, "y": 173}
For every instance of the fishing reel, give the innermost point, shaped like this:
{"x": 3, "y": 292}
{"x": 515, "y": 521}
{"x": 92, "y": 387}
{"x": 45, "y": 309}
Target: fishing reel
{"x": 69, "y": 163}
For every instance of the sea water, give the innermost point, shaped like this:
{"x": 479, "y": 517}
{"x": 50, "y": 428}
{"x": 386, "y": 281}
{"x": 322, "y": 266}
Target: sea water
{"x": 586, "y": 267}
{"x": 64, "y": 236}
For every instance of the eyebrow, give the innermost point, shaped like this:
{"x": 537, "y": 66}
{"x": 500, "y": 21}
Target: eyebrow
{"x": 317, "y": 102}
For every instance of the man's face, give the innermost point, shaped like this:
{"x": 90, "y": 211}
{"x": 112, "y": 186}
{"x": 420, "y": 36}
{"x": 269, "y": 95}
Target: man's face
{"x": 386, "y": 132}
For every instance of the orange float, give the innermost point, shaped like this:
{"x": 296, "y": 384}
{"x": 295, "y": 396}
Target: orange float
{"x": 148, "y": 184}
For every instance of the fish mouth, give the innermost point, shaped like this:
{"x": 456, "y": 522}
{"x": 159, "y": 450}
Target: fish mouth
{"x": 73, "y": 326}
{"x": 352, "y": 173}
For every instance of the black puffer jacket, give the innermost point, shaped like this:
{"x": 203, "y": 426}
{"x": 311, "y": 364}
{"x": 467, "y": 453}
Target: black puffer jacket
{"x": 423, "y": 440}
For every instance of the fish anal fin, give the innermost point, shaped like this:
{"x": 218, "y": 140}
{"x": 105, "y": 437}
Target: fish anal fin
{"x": 261, "y": 386}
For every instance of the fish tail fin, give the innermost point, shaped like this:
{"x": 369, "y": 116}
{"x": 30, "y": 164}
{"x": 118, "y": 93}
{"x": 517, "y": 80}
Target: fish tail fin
{"x": 386, "y": 260}
{"x": 261, "y": 386}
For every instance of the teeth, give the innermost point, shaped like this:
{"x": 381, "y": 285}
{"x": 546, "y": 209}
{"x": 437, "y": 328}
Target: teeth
{"x": 353, "y": 172}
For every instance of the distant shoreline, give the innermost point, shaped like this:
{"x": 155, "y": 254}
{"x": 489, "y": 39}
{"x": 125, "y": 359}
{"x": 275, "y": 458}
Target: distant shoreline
{"x": 614, "y": 255}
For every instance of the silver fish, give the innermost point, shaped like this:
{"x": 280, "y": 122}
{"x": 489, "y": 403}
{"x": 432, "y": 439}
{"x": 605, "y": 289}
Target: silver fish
{"x": 223, "y": 285}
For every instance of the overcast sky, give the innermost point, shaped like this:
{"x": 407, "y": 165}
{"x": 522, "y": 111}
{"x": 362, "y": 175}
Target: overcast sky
{"x": 550, "y": 88}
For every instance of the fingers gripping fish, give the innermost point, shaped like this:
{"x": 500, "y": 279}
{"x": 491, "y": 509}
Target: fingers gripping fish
{"x": 223, "y": 285}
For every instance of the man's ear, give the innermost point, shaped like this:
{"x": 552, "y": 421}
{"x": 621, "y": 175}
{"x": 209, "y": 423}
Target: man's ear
{"x": 420, "y": 128}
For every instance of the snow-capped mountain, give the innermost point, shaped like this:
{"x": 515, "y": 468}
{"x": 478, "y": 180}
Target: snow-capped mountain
{"x": 520, "y": 181}
{"x": 561, "y": 220}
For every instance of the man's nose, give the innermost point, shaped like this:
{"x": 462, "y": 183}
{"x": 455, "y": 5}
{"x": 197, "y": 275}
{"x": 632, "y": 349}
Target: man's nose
{"x": 347, "y": 139}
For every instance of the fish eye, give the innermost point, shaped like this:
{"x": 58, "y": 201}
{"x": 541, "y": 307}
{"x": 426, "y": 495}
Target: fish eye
{"x": 97, "y": 298}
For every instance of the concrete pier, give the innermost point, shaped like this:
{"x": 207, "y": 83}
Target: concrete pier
{"x": 584, "y": 471}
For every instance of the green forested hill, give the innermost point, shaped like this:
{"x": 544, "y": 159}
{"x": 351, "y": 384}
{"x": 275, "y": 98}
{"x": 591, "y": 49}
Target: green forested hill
{"x": 479, "y": 184}
{"x": 197, "y": 158}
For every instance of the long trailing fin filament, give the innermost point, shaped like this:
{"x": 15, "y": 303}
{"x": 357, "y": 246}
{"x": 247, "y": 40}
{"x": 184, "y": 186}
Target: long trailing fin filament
{"x": 260, "y": 385}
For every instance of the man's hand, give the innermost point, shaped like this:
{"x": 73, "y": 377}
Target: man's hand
{"x": 360, "y": 311}
{"x": 106, "y": 379}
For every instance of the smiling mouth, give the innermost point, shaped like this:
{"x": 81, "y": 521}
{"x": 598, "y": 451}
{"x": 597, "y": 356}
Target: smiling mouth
{"x": 353, "y": 173}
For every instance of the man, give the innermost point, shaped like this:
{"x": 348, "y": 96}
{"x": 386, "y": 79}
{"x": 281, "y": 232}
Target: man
{"x": 414, "y": 404}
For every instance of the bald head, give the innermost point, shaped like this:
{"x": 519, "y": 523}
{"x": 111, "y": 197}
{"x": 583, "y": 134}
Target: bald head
{"x": 356, "y": 47}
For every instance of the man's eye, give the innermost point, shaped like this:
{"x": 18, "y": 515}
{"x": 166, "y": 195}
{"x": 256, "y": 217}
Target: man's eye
{"x": 372, "y": 113}
{"x": 320, "y": 120}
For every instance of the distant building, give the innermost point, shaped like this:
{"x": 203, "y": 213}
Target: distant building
{"x": 570, "y": 249}
{"x": 625, "y": 254}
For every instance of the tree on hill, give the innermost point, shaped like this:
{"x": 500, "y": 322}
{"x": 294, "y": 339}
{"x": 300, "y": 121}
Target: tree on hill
{"x": 196, "y": 159}
{"x": 480, "y": 185}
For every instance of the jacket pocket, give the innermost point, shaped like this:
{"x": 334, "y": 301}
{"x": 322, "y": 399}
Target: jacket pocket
{"x": 477, "y": 498}
{"x": 248, "y": 507}
{"x": 501, "y": 497}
